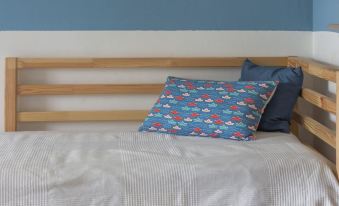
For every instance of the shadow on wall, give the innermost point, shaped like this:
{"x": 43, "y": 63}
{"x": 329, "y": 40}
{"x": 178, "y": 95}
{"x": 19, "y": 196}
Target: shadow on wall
{"x": 326, "y": 49}
{"x": 305, "y": 136}
{"x": 326, "y": 118}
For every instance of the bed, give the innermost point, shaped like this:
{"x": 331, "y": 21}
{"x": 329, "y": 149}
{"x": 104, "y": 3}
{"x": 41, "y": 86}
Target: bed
{"x": 132, "y": 168}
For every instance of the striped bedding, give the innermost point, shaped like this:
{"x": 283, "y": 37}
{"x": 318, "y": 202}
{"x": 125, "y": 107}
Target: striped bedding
{"x": 46, "y": 168}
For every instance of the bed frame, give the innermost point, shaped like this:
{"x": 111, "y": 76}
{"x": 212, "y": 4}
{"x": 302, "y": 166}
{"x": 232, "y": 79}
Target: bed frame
{"x": 13, "y": 89}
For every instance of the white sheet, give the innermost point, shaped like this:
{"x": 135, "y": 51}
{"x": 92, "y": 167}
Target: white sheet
{"x": 45, "y": 168}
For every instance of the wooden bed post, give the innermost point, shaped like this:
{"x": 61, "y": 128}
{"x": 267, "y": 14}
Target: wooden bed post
{"x": 337, "y": 124}
{"x": 10, "y": 94}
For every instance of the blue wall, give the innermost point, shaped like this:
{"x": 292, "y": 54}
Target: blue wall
{"x": 156, "y": 15}
{"x": 325, "y": 12}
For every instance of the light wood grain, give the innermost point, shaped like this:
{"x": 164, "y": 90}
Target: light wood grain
{"x": 197, "y": 62}
{"x": 90, "y": 89}
{"x": 334, "y": 27}
{"x": 326, "y": 103}
{"x": 74, "y": 116}
{"x": 10, "y": 94}
{"x": 315, "y": 68}
{"x": 316, "y": 128}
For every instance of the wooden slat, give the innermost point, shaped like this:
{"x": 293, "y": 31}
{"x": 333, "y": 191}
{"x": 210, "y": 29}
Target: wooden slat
{"x": 334, "y": 27}
{"x": 74, "y": 116}
{"x": 326, "y": 103}
{"x": 90, "y": 89}
{"x": 146, "y": 62}
{"x": 316, "y": 128}
{"x": 10, "y": 94}
{"x": 315, "y": 68}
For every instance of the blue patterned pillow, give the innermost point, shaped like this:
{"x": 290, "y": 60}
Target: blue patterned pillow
{"x": 230, "y": 110}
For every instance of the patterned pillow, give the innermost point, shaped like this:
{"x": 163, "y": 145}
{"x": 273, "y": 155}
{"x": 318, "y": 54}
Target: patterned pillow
{"x": 230, "y": 110}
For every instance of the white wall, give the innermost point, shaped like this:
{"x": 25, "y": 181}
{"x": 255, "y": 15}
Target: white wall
{"x": 133, "y": 44}
{"x": 326, "y": 46}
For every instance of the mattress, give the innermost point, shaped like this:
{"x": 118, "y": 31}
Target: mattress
{"x": 53, "y": 168}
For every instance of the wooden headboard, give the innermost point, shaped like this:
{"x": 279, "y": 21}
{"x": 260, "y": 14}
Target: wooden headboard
{"x": 15, "y": 65}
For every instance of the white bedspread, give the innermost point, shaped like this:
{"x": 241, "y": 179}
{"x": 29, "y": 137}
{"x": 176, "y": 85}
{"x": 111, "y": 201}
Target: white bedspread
{"x": 44, "y": 168}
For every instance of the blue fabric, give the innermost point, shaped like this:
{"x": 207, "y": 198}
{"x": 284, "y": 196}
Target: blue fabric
{"x": 277, "y": 115}
{"x": 229, "y": 110}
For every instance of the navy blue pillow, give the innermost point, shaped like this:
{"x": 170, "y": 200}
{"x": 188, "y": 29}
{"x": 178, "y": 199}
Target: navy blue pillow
{"x": 277, "y": 115}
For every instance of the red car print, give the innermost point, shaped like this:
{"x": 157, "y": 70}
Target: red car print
{"x": 197, "y": 130}
{"x": 238, "y": 134}
{"x": 156, "y": 110}
{"x": 195, "y": 114}
{"x": 167, "y": 92}
{"x": 214, "y": 135}
{"x": 249, "y": 87}
{"x": 234, "y": 107}
{"x": 238, "y": 119}
{"x": 205, "y": 96}
{"x": 249, "y": 100}
{"x": 188, "y": 83}
{"x": 174, "y": 112}
{"x": 219, "y": 121}
{"x": 192, "y": 104}
{"x": 157, "y": 124}
{"x": 179, "y": 98}
{"x": 177, "y": 118}
{"x": 219, "y": 101}
{"x": 214, "y": 116}
{"x": 230, "y": 90}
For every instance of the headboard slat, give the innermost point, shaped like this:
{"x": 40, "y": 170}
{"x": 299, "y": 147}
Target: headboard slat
{"x": 319, "y": 100}
{"x": 315, "y": 68}
{"x": 10, "y": 94}
{"x": 197, "y": 62}
{"x": 88, "y": 89}
{"x": 316, "y": 128}
{"x": 79, "y": 116}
